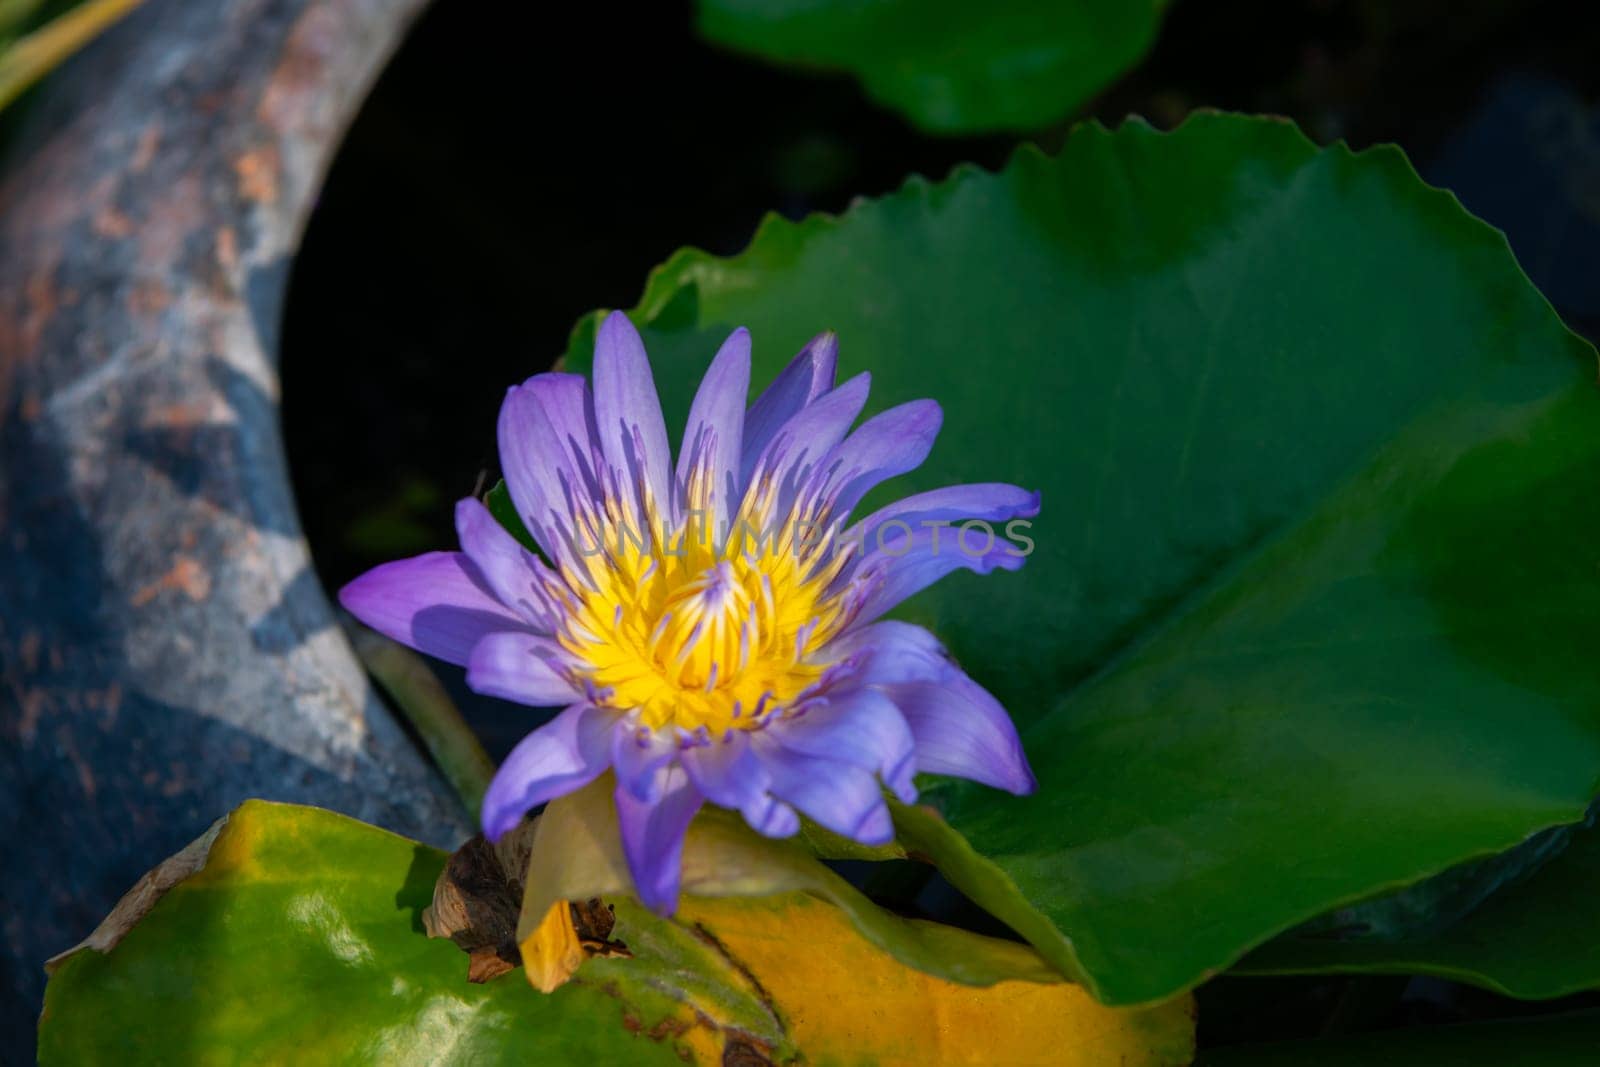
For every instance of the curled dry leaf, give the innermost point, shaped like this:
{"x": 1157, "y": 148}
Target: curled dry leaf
{"x": 476, "y": 902}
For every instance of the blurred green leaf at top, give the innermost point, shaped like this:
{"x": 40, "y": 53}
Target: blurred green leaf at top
{"x": 947, "y": 66}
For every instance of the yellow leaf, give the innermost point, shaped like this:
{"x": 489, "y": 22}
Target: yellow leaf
{"x": 843, "y": 1000}
{"x": 772, "y": 951}
{"x": 552, "y": 952}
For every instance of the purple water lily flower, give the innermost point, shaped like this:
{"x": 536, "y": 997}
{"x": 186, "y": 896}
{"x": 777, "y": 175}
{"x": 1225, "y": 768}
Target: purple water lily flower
{"x": 714, "y": 631}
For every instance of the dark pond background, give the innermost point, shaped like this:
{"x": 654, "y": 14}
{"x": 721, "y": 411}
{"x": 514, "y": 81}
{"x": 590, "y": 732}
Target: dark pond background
{"x": 513, "y": 171}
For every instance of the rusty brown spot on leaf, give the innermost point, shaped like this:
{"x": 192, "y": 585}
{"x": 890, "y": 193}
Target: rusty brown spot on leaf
{"x": 742, "y": 1052}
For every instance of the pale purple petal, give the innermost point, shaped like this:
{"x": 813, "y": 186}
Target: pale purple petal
{"x": 731, "y": 774}
{"x": 638, "y": 753}
{"x": 808, "y": 376}
{"x": 985, "y": 501}
{"x": 564, "y": 754}
{"x": 957, "y": 727}
{"x": 727, "y": 770}
{"x": 889, "y": 651}
{"x": 962, "y": 730}
{"x": 652, "y": 836}
{"x": 548, "y": 453}
{"x": 771, "y": 817}
{"x": 627, "y": 411}
{"x": 435, "y": 603}
{"x": 908, "y": 565}
{"x": 862, "y": 727}
{"x": 802, "y": 442}
{"x": 888, "y": 444}
{"x": 714, "y": 433}
{"x": 517, "y": 577}
{"x": 526, "y": 668}
{"x": 844, "y": 798}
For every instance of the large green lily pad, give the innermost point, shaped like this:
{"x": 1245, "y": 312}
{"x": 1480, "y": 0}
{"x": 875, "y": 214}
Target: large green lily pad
{"x": 1316, "y": 589}
{"x": 1537, "y": 938}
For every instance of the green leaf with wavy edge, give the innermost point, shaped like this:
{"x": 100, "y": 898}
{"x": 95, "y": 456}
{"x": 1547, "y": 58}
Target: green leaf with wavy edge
{"x": 811, "y": 950}
{"x": 951, "y": 67}
{"x": 1535, "y": 939}
{"x": 296, "y": 937}
{"x": 1548, "y": 1041}
{"x": 1314, "y": 599}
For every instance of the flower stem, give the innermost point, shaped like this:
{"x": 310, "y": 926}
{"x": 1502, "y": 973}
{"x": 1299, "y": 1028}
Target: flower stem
{"x": 13, "y": 13}
{"x": 31, "y": 57}
{"x": 416, "y": 691}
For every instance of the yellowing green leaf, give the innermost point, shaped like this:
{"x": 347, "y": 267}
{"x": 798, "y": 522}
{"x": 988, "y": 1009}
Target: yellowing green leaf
{"x": 297, "y": 938}
{"x": 577, "y": 854}
{"x": 789, "y": 949}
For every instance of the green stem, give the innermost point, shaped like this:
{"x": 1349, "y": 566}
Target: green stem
{"x": 415, "y": 690}
{"x": 31, "y": 57}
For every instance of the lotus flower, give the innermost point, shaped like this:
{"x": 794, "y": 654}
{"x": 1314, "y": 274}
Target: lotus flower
{"x": 714, "y": 632}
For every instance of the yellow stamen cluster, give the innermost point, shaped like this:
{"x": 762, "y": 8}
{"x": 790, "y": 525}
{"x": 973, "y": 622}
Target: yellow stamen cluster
{"x": 699, "y": 625}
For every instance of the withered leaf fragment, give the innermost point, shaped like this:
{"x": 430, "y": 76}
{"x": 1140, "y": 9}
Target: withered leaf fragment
{"x": 476, "y": 902}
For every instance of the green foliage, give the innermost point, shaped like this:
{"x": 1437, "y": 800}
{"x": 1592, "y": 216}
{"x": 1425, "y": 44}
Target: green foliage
{"x": 951, "y": 67}
{"x": 300, "y": 941}
{"x": 294, "y": 935}
{"x": 1313, "y": 606}
{"x": 1535, "y": 938}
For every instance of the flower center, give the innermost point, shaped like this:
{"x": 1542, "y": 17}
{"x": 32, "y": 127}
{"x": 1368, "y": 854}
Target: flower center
{"x": 701, "y": 635}
{"x": 706, "y": 627}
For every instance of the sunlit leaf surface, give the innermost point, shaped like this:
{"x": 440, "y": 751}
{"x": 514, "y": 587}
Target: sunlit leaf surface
{"x": 295, "y": 937}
